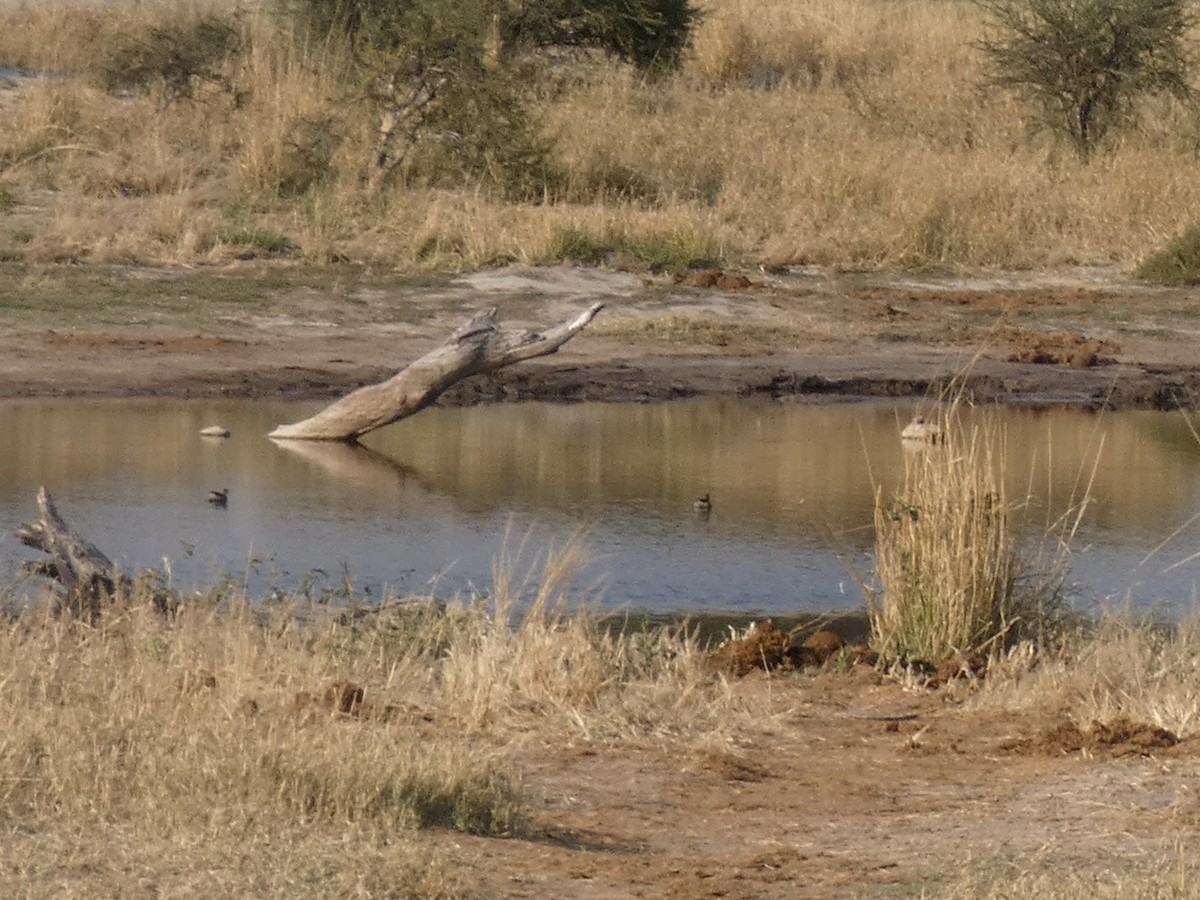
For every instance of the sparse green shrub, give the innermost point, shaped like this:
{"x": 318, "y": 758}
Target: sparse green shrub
{"x": 258, "y": 239}
{"x": 440, "y": 75}
{"x": 1178, "y": 264}
{"x": 174, "y": 58}
{"x": 1083, "y": 64}
{"x": 8, "y": 200}
{"x": 649, "y": 33}
{"x": 308, "y": 152}
{"x": 673, "y": 253}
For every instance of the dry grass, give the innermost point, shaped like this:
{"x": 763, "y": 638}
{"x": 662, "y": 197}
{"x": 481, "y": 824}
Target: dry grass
{"x": 945, "y": 554}
{"x": 1172, "y": 876}
{"x": 694, "y": 330}
{"x": 1121, "y": 667}
{"x": 144, "y": 752}
{"x": 846, "y": 134}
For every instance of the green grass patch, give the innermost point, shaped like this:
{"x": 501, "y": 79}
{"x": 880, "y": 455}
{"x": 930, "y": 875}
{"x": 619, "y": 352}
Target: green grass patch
{"x": 654, "y": 253}
{"x": 259, "y": 240}
{"x": 1178, "y": 264}
{"x": 73, "y": 295}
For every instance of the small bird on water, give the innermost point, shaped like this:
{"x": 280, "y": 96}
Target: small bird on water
{"x": 219, "y": 498}
{"x": 702, "y": 505}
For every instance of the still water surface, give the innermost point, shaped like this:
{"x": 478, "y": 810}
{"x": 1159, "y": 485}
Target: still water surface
{"x": 437, "y": 498}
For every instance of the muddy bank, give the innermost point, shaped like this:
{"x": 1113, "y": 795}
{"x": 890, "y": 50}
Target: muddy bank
{"x": 810, "y": 378}
{"x": 1091, "y": 338}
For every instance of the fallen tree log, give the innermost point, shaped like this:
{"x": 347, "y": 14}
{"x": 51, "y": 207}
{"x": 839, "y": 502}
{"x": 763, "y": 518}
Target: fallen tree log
{"x": 479, "y": 346}
{"x": 87, "y": 577}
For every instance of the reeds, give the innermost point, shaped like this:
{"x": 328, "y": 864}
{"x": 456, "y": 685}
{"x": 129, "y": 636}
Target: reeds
{"x": 945, "y": 554}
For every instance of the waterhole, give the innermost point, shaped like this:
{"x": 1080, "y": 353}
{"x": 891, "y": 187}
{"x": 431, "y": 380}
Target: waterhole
{"x": 432, "y": 503}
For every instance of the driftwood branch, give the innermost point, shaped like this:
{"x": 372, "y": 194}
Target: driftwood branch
{"x": 479, "y": 346}
{"x": 87, "y": 576}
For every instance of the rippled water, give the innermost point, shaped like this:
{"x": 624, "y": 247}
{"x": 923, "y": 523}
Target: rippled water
{"x": 440, "y": 496}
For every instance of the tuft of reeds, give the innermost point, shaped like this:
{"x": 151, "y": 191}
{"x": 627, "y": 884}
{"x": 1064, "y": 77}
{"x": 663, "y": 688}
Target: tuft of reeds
{"x": 945, "y": 553}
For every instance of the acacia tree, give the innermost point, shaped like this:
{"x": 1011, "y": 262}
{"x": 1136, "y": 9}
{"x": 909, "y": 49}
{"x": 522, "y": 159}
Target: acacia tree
{"x": 441, "y": 71}
{"x": 1083, "y": 64}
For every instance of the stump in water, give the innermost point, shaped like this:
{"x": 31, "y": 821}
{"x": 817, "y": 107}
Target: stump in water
{"x": 479, "y": 346}
{"x": 87, "y": 577}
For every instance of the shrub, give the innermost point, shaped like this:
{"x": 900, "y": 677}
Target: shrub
{"x": 651, "y": 34}
{"x": 174, "y": 57}
{"x": 438, "y": 74}
{"x": 1084, "y": 63}
{"x": 1178, "y": 264}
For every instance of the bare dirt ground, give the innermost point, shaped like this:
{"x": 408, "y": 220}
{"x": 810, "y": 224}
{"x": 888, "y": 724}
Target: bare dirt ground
{"x": 1088, "y": 336}
{"x": 856, "y": 787}
{"x": 852, "y": 785}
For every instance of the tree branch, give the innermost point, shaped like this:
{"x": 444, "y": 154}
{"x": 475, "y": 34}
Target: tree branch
{"x": 477, "y": 347}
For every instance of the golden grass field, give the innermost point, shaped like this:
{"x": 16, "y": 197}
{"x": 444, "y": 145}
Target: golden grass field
{"x": 852, "y": 133}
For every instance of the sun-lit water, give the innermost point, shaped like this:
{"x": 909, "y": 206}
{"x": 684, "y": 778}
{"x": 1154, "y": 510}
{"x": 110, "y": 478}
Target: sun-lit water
{"x": 440, "y": 496}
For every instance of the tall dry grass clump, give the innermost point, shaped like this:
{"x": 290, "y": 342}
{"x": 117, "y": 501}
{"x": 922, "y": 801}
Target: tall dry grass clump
{"x": 150, "y": 722}
{"x": 945, "y": 554}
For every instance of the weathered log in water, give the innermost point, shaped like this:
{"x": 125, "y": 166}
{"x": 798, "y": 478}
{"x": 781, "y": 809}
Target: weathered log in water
{"x": 479, "y": 346}
{"x": 85, "y": 574}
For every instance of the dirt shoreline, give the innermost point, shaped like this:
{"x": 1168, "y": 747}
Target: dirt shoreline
{"x": 1086, "y": 338}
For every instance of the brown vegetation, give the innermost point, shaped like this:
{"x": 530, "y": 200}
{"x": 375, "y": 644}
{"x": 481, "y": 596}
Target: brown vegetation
{"x": 850, "y": 134}
{"x": 264, "y": 749}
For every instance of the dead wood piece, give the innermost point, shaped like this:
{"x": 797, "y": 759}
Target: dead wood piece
{"x": 479, "y": 346}
{"x": 86, "y": 575}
